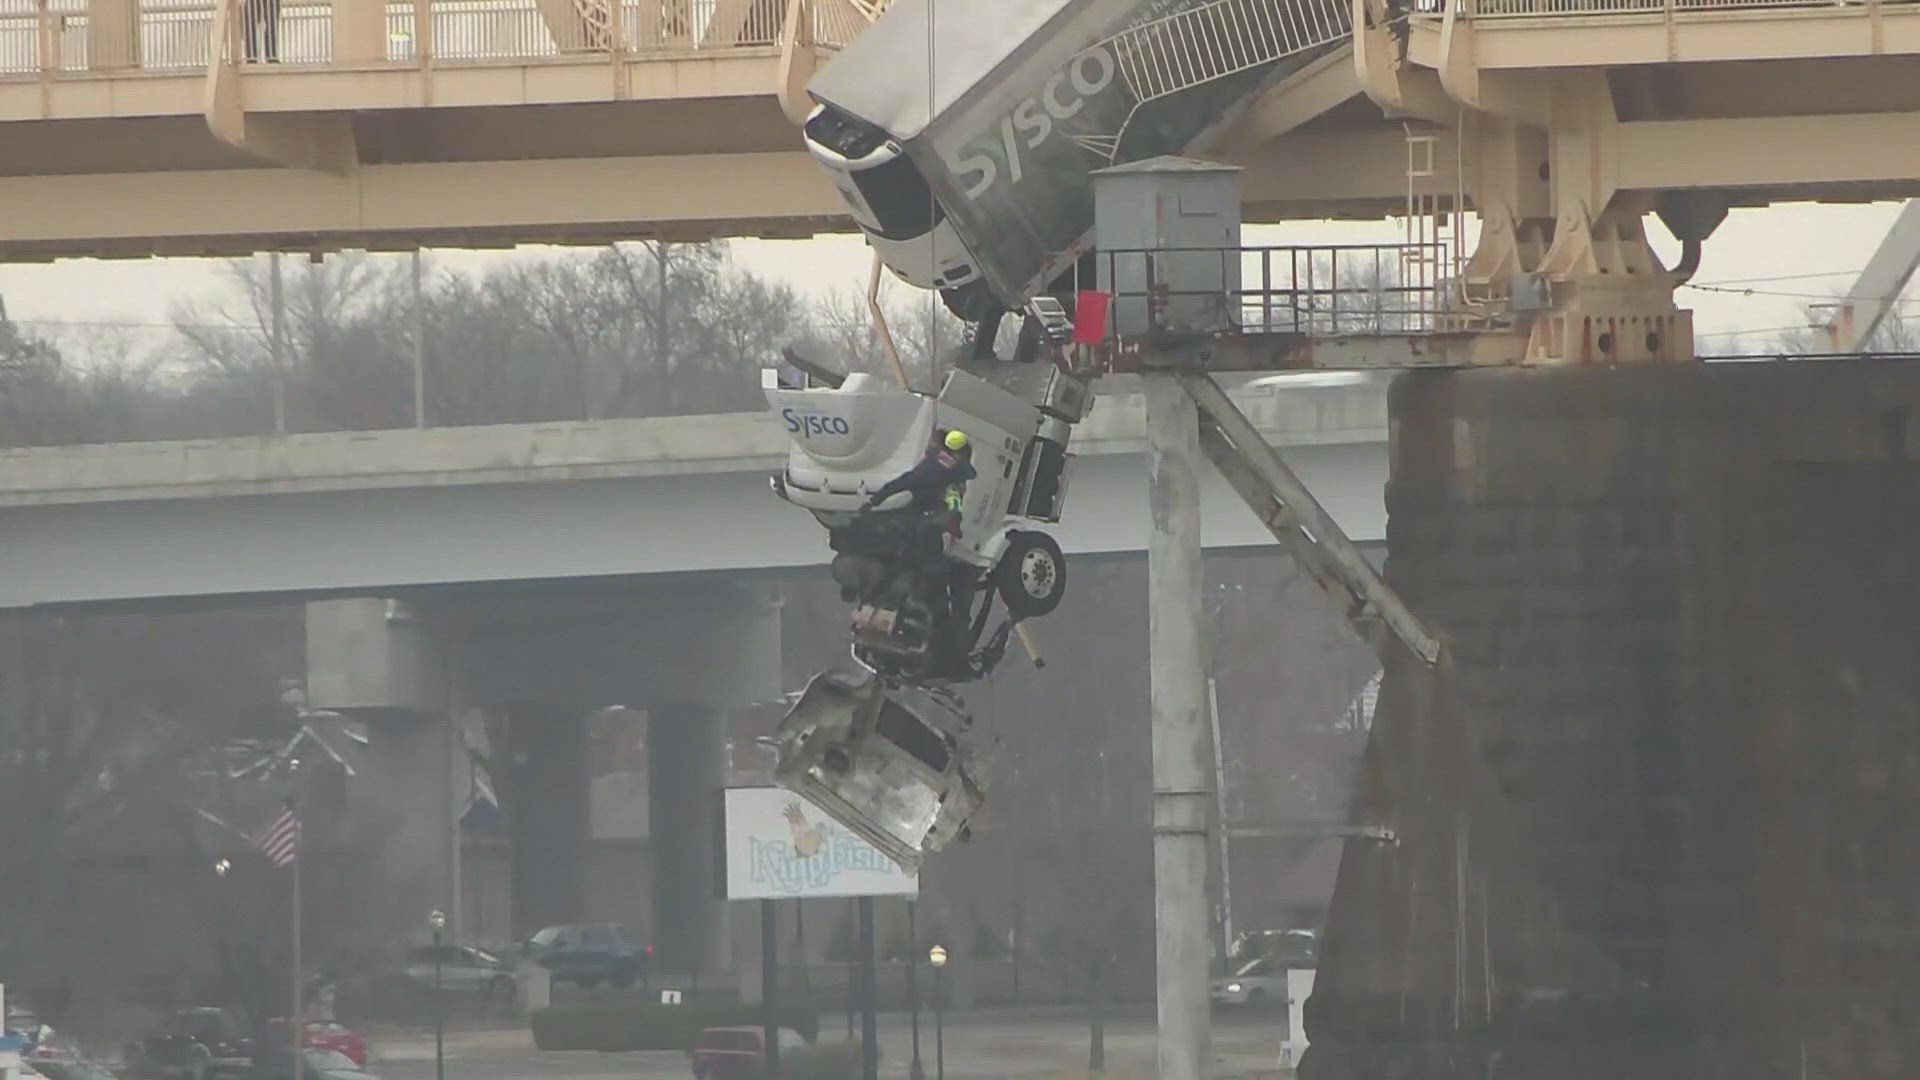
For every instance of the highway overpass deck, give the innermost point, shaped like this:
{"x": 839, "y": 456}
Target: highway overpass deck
{"x": 365, "y": 512}
{"x": 160, "y": 127}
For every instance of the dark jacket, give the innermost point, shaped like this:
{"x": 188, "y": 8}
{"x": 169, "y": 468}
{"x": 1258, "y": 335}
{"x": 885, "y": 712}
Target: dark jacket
{"x": 928, "y": 481}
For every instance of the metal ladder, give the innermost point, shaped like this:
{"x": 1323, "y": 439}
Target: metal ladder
{"x": 1295, "y": 518}
{"x": 1430, "y": 259}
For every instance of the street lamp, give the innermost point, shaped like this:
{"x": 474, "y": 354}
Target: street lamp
{"x": 437, "y": 920}
{"x": 937, "y": 956}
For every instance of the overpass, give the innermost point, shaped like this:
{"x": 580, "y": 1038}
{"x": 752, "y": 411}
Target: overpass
{"x": 153, "y": 127}
{"x": 366, "y": 512}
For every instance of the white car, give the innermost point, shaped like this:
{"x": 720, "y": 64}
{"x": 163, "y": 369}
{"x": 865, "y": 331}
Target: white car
{"x": 1255, "y": 984}
{"x": 853, "y": 436}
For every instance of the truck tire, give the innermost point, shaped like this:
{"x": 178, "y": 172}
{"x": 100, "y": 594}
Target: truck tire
{"x": 1032, "y": 575}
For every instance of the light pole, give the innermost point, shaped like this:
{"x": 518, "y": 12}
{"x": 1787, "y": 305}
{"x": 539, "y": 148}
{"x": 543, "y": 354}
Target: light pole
{"x": 437, "y": 919}
{"x": 937, "y": 956}
{"x": 917, "y": 1071}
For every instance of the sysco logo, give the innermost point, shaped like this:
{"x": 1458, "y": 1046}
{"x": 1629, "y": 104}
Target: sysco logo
{"x": 1032, "y": 121}
{"x": 807, "y": 425}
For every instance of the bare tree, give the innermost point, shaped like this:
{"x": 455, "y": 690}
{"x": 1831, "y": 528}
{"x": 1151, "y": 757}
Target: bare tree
{"x": 1897, "y": 333}
{"x": 337, "y": 367}
{"x": 844, "y": 333}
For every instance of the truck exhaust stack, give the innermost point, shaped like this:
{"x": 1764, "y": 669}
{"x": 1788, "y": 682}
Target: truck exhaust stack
{"x": 880, "y": 761}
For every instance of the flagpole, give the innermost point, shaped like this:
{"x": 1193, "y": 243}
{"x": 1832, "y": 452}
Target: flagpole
{"x": 298, "y": 1023}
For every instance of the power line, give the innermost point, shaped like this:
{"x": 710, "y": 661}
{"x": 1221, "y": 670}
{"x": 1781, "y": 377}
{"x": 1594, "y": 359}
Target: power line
{"x": 1835, "y": 297}
{"x": 1777, "y": 277}
{"x": 1750, "y": 330}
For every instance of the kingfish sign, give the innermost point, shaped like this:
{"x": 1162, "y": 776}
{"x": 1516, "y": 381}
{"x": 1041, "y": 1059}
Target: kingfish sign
{"x": 781, "y": 847}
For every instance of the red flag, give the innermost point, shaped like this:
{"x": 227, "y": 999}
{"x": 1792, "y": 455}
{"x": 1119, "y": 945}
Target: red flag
{"x": 1090, "y": 317}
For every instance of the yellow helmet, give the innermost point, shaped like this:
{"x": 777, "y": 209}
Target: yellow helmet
{"x": 956, "y": 440}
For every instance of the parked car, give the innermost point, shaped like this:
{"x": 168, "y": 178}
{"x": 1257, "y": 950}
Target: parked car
{"x": 321, "y": 1035}
{"x": 314, "y": 1065}
{"x": 462, "y": 969}
{"x": 69, "y": 1069}
{"x": 724, "y": 1053}
{"x": 195, "y": 1044}
{"x": 1298, "y": 948}
{"x": 1255, "y": 984}
{"x": 45, "y": 1045}
{"x": 588, "y": 954}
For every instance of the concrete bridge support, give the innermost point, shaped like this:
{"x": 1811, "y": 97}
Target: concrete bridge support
{"x": 1657, "y": 818}
{"x": 687, "y": 749}
{"x": 546, "y": 781}
{"x": 689, "y": 655}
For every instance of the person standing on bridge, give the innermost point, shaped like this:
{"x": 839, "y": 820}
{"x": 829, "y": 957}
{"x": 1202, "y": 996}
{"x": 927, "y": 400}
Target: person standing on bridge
{"x": 262, "y": 30}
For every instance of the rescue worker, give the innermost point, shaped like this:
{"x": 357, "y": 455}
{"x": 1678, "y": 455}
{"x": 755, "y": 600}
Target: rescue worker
{"x": 938, "y": 485}
{"x": 944, "y": 469}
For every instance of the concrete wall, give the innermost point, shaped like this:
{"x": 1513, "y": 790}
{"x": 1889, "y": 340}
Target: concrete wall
{"x": 1656, "y": 820}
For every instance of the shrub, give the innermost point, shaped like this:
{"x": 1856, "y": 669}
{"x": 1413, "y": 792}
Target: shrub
{"x": 649, "y": 1026}
{"x": 822, "y": 1061}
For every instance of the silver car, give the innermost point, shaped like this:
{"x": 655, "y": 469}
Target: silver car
{"x": 461, "y": 969}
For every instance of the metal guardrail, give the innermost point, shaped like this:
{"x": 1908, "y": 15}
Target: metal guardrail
{"x": 1321, "y": 290}
{"x": 39, "y": 37}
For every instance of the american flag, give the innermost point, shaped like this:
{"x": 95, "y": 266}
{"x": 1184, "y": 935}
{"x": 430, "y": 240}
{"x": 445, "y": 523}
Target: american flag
{"x": 280, "y": 841}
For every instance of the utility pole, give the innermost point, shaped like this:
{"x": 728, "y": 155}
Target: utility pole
{"x": 276, "y": 342}
{"x": 420, "y": 375}
{"x": 1182, "y": 748}
{"x": 456, "y": 804}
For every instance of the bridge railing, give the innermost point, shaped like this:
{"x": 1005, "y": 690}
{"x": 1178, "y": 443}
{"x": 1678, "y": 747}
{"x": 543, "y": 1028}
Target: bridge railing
{"x": 1493, "y": 9}
{"x": 1317, "y": 290}
{"x": 56, "y": 37}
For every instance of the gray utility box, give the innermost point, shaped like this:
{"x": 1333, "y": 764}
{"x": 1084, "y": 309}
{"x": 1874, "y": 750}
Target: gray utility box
{"x": 1167, "y": 231}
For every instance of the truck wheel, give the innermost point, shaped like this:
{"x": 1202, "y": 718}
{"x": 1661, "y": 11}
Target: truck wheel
{"x": 1032, "y": 575}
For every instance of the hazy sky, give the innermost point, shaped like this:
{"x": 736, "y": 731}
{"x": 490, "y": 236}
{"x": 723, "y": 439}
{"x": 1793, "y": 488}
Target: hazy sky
{"x": 1772, "y": 262}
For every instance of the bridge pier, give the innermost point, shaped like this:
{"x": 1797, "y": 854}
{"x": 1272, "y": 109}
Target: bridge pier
{"x": 546, "y": 780}
{"x": 1657, "y": 819}
{"x": 688, "y": 655}
{"x": 686, "y": 766}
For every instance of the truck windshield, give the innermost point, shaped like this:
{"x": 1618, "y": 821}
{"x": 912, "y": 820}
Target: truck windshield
{"x": 903, "y": 206}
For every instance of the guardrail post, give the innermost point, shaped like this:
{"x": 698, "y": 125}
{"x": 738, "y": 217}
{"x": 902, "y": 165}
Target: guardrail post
{"x": 49, "y": 57}
{"x": 359, "y": 29}
{"x": 422, "y": 32}
{"x": 113, "y": 34}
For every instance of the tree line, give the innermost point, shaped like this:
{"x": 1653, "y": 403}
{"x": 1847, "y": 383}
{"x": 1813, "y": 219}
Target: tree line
{"x": 630, "y": 330}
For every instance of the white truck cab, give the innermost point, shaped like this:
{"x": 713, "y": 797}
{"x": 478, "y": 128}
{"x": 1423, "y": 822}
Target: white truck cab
{"x": 850, "y": 440}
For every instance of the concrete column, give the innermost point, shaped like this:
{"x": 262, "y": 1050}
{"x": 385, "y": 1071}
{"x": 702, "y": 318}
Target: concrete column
{"x": 548, "y": 819}
{"x": 686, "y": 770}
{"x": 113, "y": 34}
{"x": 1182, "y": 766}
{"x": 359, "y": 31}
